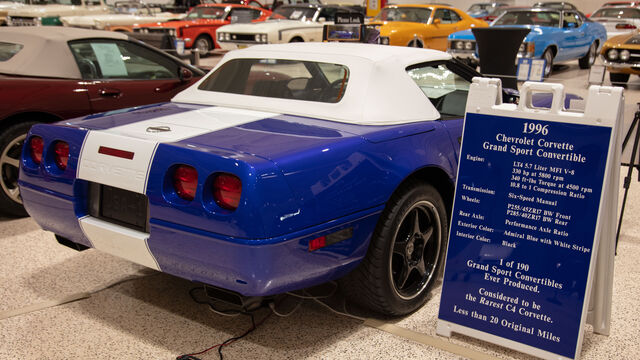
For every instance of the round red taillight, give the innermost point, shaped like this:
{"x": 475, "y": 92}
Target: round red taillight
{"x": 61, "y": 150}
{"x": 185, "y": 182}
{"x": 36, "y": 146}
{"x": 227, "y": 189}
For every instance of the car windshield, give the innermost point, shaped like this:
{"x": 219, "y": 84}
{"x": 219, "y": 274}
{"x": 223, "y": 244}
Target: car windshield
{"x": 409, "y": 14}
{"x": 446, "y": 90}
{"x": 283, "y": 79}
{"x": 294, "y": 13}
{"x": 478, "y": 7}
{"x": 131, "y": 8}
{"x": 8, "y": 50}
{"x": 619, "y": 13}
{"x": 206, "y": 12}
{"x": 538, "y": 18}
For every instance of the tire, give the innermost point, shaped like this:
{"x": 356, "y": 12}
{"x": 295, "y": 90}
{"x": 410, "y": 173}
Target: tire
{"x": 405, "y": 255}
{"x": 586, "y": 61}
{"x": 203, "y": 44}
{"x": 415, "y": 43}
{"x": 548, "y": 56}
{"x": 618, "y": 78}
{"x": 11, "y": 141}
{"x": 296, "y": 39}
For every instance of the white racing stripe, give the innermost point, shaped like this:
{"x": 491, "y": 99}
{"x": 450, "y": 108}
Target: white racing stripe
{"x": 131, "y": 171}
{"x": 142, "y": 138}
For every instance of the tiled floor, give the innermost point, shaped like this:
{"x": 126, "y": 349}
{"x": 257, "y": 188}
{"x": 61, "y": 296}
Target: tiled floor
{"x": 153, "y": 317}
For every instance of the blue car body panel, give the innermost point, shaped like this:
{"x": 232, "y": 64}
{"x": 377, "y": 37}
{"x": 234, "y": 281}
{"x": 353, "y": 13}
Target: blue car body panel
{"x": 302, "y": 178}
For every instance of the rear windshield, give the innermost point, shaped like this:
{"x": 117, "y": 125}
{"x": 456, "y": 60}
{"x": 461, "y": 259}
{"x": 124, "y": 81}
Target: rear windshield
{"x": 539, "y": 18}
{"x": 294, "y": 13}
{"x": 620, "y": 13}
{"x": 283, "y": 79}
{"x": 8, "y": 50}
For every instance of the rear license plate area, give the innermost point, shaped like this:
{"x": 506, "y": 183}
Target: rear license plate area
{"x": 119, "y": 206}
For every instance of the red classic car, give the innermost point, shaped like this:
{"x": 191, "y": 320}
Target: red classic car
{"x": 198, "y": 28}
{"x": 53, "y": 73}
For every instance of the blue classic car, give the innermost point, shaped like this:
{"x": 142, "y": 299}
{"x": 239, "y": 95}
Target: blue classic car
{"x": 287, "y": 166}
{"x": 556, "y": 35}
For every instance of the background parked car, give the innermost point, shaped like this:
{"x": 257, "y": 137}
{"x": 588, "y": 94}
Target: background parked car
{"x": 48, "y": 12}
{"x": 484, "y": 11}
{"x": 198, "y": 28}
{"x": 288, "y": 23}
{"x": 426, "y": 26}
{"x": 621, "y": 55}
{"x": 124, "y": 15}
{"x": 617, "y": 19}
{"x": 49, "y": 74}
{"x": 556, "y": 35}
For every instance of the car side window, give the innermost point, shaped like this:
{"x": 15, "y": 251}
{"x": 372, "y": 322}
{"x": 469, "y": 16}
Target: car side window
{"x": 446, "y": 16}
{"x": 328, "y": 13}
{"x": 105, "y": 59}
{"x": 241, "y": 15}
{"x": 446, "y": 90}
{"x": 570, "y": 19}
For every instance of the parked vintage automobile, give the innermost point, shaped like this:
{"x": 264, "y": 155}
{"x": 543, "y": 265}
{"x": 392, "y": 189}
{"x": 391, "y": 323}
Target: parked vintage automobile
{"x": 124, "y": 15}
{"x": 53, "y": 73}
{"x": 425, "y": 26}
{"x": 618, "y": 20}
{"x": 288, "y": 23}
{"x": 558, "y": 5}
{"x": 48, "y": 12}
{"x": 284, "y": 168}
{"x": 198, "y": 28}
{"x": 5, "y": 6}
{"x": 556, "y": 35}
{"x": 621, "y": 56}
{"x": 485, "y": 11}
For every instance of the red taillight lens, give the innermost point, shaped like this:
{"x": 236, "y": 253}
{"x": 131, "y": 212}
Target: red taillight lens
{"x": 36, "y": 144}
{"x": 185, "y": 181}
{"x": 227, "y": 189}
{"x": 61, "y": 149}
{"x": 625, "y": 26}
{"x": 317, "y": 243}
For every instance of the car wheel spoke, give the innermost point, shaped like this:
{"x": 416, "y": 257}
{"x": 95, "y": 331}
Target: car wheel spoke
{"x": 7, "y": 160}
{"x": 403, "y": 276}
{"x": 400, "y": 248}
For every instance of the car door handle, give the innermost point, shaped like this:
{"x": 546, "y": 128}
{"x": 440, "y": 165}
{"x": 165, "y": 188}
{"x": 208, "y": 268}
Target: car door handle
{"x": 109, "y": 92}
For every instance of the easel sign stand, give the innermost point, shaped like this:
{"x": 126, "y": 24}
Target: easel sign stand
{"x": 532, "y": 238}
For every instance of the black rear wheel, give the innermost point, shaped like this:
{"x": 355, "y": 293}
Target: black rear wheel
{"x": 11, "y": 141}
{"x": 405, "y": 255}
{"x": 586, "y": 61}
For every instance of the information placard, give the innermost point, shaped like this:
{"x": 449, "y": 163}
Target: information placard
{"x": 522, "y": 232}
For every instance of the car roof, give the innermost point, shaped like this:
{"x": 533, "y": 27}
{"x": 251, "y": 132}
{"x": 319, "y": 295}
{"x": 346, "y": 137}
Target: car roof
{"x": 45, "y": 50}
{"x": 378, "y": 92}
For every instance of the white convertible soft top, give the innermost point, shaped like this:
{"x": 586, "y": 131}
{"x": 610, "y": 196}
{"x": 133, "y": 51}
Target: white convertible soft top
{"x": 379, "y": 91}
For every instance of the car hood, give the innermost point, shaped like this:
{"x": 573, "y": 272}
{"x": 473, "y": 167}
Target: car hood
{"x": 391, "y": 27}
{"x": 267, "y": 26}
{"x": 183, "y": 23}
{"x": 90, "y": 19}
{"x": 629, "y": 40}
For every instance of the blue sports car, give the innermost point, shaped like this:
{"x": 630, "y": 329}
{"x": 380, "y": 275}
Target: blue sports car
{"x": 556, "y": 35}
{"x": 287, "y": 166}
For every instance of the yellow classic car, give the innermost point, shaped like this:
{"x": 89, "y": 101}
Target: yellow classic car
{"x": 422, "y": 25}
{"x": 621, "y": 55}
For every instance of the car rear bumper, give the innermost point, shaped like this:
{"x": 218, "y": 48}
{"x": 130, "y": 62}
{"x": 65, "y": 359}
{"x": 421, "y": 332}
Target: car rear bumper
{"x": 251, "y": 267}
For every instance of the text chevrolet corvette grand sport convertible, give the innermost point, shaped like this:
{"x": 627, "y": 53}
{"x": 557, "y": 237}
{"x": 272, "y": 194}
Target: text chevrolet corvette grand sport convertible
{"x": 289, "y": 165}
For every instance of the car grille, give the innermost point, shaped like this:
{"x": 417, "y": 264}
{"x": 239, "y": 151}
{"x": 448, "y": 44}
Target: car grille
{"x": 23, "y": 21}
{"x": 243, "y": 37}
{"x": 119, "y": 206}
{"x": 155, "y": 30}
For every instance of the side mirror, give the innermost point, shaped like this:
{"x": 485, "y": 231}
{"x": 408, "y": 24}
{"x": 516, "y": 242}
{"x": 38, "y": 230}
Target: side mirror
{"x": 185, "y": 74}
{"x": 437, "y": 21}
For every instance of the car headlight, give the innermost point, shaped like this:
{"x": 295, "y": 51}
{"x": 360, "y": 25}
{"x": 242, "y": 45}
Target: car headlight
{"x": 384, "y": 40}
{"x": 256, "y": 37}
{"x": 522, "y": 48}
{"x": 458, "y": 45}
{"x": 220, "y": 36}
{"x": 172, "y": 32}
{"x": 227, "y": 36}
{"x": 624, "y": 55}
{"x": 612, "y": 54}
{"x": 468, "y": 45}
{"x": 263, "y": 38}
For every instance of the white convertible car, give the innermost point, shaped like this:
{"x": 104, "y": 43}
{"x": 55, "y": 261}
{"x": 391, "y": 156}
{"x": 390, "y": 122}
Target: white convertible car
{"x": 124, "y": 16}
{"x": 288, "y": 23}
{"x": 48, "y": 12}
